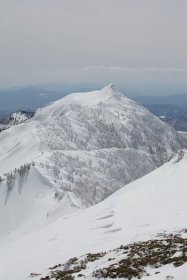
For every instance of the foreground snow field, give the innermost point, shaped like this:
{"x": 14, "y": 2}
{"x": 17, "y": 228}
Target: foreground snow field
{"x": 153, "y": 204}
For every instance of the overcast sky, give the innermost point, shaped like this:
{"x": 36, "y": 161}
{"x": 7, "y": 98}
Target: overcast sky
{"x": 138, "y": 44}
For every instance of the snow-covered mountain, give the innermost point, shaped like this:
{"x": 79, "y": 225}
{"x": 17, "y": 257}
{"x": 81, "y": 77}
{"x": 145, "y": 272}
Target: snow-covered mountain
{"x": 15, "y": 119}
{"x": 75, "y": 153}
{"x": 151, "y": 208}
{"x": 88, "y": 145}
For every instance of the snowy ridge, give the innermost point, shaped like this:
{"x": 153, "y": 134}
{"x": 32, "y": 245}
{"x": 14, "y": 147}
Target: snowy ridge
{"x": 15, "y": 119}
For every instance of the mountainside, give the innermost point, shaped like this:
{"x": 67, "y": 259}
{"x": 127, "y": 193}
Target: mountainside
{"x": 151, "y": 208}
{"x": 88, "y": 144}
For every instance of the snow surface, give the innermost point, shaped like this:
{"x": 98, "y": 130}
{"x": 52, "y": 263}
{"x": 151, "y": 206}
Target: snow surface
{"x": 153, "y": 204}
{"x": 18, "y": 145}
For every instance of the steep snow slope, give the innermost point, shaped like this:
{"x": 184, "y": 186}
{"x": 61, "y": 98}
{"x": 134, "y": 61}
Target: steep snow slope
{"x": 155, "y": 203}
{"x": 18, "y": 145}
{"x": 26, "y": 203}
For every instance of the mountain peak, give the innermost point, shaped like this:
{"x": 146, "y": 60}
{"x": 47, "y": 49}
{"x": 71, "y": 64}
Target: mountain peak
{"x": 106, "y": 95}
{"x": 111, "y": 87}
{"x": 111, "y": 90}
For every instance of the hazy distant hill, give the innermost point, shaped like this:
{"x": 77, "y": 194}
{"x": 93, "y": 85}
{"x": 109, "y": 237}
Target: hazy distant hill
{"x": 180, "y": 100}
{"x": 171, "y": 109}
{"x": 29, "y": 98}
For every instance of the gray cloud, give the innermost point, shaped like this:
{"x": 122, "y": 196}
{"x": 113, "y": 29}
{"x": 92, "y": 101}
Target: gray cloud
{"x": 135, "y": 70}
{"x": 55, "y": 40}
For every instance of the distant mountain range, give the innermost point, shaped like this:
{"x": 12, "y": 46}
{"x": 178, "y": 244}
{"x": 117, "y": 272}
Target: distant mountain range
{"x": 171, "y": 109}
{"x": 180, "y": 100}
